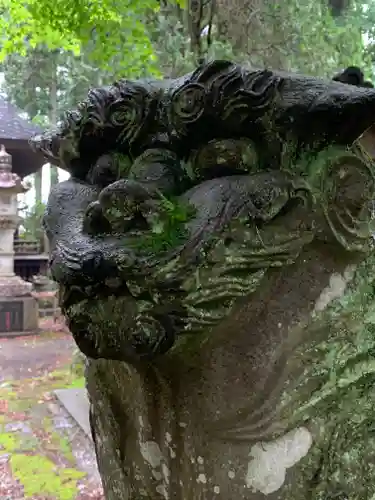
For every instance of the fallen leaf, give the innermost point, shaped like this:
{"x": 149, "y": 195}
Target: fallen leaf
{"x": 3, "y": 405}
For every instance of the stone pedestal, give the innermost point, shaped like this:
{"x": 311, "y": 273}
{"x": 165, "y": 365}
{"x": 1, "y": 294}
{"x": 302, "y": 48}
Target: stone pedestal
{"x": 18, "y": 316}
{"x": 18, "y": 309}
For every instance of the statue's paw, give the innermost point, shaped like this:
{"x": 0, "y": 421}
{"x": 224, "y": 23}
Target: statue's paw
{"x": 125, "y": 204}
{"x": 70, "y": 268}
{"x": 95, "y": 222}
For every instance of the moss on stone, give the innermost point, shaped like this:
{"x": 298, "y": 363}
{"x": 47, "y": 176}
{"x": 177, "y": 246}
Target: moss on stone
{"x": 9, "y": 442}
{"x": 77, "y": 383}
{"x": 334, "y": 395}
{"x": 37, "y": 473}
{"x": 168, "y": 226}
{"x": 64, "y": 447}
{"x": 40, "y": 475}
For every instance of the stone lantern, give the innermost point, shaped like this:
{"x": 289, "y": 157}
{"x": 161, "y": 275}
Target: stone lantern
{"x": 18, "y": 309}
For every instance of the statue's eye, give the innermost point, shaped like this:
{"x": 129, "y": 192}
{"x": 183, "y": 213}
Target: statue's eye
{"x": 123, "y": 117}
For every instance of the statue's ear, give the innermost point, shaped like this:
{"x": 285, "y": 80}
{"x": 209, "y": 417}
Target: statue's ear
{"x": 351, "y": 75}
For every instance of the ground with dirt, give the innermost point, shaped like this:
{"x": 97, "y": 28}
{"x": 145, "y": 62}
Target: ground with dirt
{"x": 44, "y": 455}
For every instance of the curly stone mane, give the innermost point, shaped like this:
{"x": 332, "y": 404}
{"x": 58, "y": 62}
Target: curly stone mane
{"x": 218, "y": 99}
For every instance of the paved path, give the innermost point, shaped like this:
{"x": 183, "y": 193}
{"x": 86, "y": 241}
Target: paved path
{"x": 23, "y": 357}
{"x": 44, "y": 455}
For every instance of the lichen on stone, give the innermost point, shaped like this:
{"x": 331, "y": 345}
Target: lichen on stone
{"x": 334, "y": 394}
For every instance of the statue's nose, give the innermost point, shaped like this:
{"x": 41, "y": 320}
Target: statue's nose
{"x": 72, "y": 269}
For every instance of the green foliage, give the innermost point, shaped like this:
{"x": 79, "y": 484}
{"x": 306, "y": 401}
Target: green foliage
{"x": 145, "y": 37}
{"x": 27, "y": 82}
{"x": 321, "y": 43}
{"x": 32, "y": 222}
{"x": 78, "y": 365}
{"x": 298, "y": 36}
{"x": 106, "y": 30}
{"x": 294, "y": 35}
{"x": 78, "y": 383}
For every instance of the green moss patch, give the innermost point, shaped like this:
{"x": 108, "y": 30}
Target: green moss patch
{"x": 41, "y": 458}
{"x": 168, "y": 227}
{"x": 78, "y": 383}
{"x": 9, "y": 442}
{"x": 40, "y": 475}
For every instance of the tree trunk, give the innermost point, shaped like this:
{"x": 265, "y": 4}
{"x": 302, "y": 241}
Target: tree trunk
{"x": 38, "y": 185}
{"x": 54, "y": 174}
{"x": 338, "y": 7}
{"x": 257, "y": 29}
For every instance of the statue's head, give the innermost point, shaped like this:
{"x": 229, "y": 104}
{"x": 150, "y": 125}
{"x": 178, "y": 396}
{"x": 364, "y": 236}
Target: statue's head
{"x": 185, "y": 193}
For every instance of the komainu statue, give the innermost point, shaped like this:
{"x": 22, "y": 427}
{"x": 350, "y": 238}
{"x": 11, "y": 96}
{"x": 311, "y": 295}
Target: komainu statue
{"x": 213, "y": 249}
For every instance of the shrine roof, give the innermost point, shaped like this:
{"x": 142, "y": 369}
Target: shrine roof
{"x": 15, "y": 133}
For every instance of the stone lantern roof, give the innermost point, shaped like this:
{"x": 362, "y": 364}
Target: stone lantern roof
{"x": 8, "y": 179}
{"x": 15, "y": 133}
